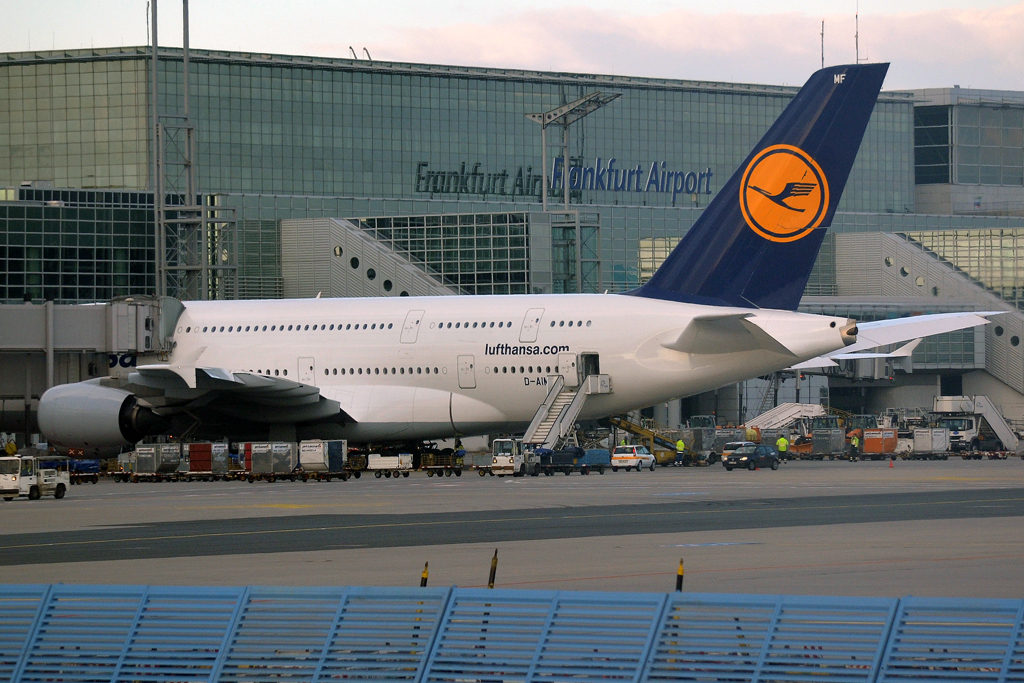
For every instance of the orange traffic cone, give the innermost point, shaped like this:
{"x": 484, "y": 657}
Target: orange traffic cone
{"x": 890, "y": 462}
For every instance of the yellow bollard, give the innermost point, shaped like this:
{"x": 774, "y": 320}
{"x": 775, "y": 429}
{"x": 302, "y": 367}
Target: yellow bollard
{"x": 494, "y": 569}
{"x": 423, "y": 576}
{"x": 679, "y": 577}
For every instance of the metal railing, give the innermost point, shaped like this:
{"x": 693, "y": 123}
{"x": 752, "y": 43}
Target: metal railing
{"x": 154, "y": 633}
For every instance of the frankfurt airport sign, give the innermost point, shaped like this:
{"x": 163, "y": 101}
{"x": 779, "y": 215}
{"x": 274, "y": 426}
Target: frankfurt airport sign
{"x": 606, "y": 176}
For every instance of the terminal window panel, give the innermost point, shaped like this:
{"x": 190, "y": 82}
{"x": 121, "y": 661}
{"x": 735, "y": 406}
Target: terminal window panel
{"x": 990, "y": 257}
{"x": 74, "y": 255}
{"x": 473, "y": 253}
{"x": 989, "y": 145}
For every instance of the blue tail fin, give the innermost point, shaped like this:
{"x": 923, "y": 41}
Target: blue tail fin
{"x": 755, "y": 244}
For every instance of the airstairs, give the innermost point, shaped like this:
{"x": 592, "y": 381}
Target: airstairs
{"x": 553, "y": 425}
{"x": 983, "y": 406}
{"x": 784, "y": 415}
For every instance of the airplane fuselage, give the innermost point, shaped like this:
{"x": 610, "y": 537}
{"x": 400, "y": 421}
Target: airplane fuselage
{"x": 432, "y": 367}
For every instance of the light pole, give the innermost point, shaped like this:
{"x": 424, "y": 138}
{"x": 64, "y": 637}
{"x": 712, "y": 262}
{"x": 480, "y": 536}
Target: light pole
{"x": 564, "y": 116}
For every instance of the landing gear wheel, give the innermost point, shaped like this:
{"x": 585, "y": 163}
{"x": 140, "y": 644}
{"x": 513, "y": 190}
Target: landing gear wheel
{"x": 59, "y": 491}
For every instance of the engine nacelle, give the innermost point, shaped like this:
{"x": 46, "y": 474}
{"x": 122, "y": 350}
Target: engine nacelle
{"x": 98, "y": 420}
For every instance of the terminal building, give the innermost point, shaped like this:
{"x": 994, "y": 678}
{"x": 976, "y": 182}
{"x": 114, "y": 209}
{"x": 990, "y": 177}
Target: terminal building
{"x": 340, "y": 177}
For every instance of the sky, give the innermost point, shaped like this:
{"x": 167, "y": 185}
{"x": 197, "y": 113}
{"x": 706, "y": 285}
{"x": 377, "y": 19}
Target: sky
{"x": 930, "y": 43}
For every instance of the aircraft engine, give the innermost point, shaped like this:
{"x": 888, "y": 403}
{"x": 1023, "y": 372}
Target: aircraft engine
{"x": 98, "y": 420}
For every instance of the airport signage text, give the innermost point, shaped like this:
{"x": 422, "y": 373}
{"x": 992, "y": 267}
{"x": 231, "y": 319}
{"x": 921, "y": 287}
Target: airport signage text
{"x": 603, "y": 175}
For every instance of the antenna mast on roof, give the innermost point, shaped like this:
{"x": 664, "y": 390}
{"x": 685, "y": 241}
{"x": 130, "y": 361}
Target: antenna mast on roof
{"x": 856, "y": 32}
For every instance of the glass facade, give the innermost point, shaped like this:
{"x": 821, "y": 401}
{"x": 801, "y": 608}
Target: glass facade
{"x": 333, "y": 127}
{"x": 989, "y": 145}
{"x": 75, "y": 122}
{"x": 932, "y": 148}
{"x": 96, "y": 247}
{"x": 472, "y": 253}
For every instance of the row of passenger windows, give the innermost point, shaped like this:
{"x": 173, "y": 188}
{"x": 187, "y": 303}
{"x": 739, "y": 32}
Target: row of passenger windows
{"x": 378, "y": 371}
{"x": 522, "y": 370}
{"x": 297, "y": 328}
{"x": 409, "y": 371}
{"x": 442, "y": 326}
{"x": 357, "y": 326}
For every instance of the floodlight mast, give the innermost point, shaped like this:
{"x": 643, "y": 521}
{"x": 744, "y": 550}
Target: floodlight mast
{"x": 564, "y": 116}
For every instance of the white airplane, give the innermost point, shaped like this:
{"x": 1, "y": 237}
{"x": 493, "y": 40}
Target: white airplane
{"x": 720, "y": 309}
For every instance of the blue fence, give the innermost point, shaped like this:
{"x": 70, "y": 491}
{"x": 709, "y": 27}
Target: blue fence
{"x": 455, "y": 635}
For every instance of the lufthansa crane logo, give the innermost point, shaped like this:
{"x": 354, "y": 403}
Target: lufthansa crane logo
{"x": 784, "y": 194}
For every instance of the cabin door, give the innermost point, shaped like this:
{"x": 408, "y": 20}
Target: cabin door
{"x": 567, "y": 369}
{"x": 467, "y": 372}
{"x": 307, "y": 374}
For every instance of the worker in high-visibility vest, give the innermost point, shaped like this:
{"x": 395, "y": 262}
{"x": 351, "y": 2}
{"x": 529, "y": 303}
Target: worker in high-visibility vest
{"x": 680, "y": 450}
{"x": 854, "y": 447}
{"x": 782, "y": 446}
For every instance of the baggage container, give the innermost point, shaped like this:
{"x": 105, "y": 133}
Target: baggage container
{"x": 318, "y": 456}
{"x": 930, "y": 442}
{"x": 162, "y": 458}
{"x": 594, "y": 459}
{"x": 828, "y": 443}
{"x": 879, "y": 443}
{"x": 199, "y": 456}
{"x": 220, "y": 458}
{"x": 271, "y": 460}
{"x": 724, "y": 435}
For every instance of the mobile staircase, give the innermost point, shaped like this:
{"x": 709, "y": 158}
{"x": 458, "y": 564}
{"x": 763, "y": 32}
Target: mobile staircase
{"x": 554, "y": 423}
{"x": 784, "y": 414}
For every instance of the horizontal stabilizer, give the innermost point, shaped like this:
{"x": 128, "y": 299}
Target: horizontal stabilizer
{"x": 724, "y": 333}
{"x": 878, "y": 333}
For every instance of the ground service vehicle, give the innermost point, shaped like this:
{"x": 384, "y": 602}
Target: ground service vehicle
{"x": 509, "y": 457}
{"x": 383, "y": 465}
{"x": 630, "y": 457}
{"x": 752, "y": 457}
{"x": 29, "y": 476}
{"x": 598, "y": 459}
{"x": 444, "y": 463}
{"x": 976, "y": 427}
{"x": 563, "y": 460}
{"x": 81, "y": 471}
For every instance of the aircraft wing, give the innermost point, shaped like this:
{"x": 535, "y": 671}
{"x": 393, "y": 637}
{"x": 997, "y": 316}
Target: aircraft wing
{"x": 871, "y": 335}
{"x": 244, "y": 395}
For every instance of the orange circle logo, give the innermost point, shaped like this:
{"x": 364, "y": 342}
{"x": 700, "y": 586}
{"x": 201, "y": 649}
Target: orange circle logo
{"x": 783, "y": 194}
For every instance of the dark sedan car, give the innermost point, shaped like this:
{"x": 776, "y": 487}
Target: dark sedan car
{"x": 752, "y": 456}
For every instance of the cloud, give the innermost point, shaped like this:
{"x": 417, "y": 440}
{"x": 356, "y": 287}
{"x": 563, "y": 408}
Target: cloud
{"x": 981, "y": 48}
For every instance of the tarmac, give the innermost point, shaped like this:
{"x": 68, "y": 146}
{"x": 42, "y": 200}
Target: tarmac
{"x": 936, "y": 528}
